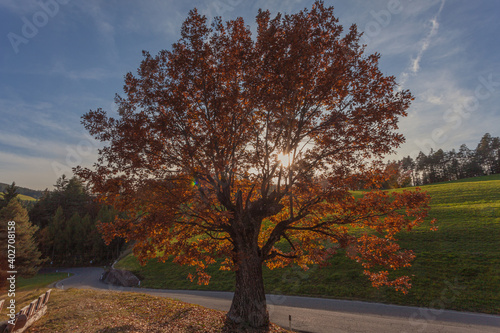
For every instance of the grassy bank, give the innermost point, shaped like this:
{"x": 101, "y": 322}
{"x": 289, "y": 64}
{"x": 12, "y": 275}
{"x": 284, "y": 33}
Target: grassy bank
{"x": 36, "y": 282}
{"x": 83, "y": 311}
{"x": 457, "y": 267}
{"x": 39, "y": 281}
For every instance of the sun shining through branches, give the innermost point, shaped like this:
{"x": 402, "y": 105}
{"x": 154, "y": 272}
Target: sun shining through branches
{"x": 196, "y": 160}
{"x": 285, "y": 159}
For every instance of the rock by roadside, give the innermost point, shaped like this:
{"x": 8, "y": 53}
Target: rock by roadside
{"x": 120, "y": 277}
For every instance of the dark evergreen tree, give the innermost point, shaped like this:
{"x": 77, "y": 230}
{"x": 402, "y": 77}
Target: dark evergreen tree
{"x": 56, "y": 232}
{"x": 495, "y": 147}
{"x": 15, "y": 218}
{"x": 440, "y": 162}
{"x": 485, "y": 154}
{"x": 71, "y": 195}
{"x": 9, "y": 193}
{"x": 72, "y": 236}
{"x": 408, "y": 167}
{"x": 68, "y": 217}
{"x": 423, "y": 168}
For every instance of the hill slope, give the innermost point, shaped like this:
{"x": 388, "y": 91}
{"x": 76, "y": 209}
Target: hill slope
{"x": 25, "y": 193}
{"x": 457, "y": 267}
{"x": 22, "y": 197}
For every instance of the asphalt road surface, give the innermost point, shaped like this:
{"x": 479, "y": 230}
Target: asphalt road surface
{"x": 316, "y": 314}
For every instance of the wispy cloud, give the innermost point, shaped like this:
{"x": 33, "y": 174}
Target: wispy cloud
{"x": 32, "y": 145}
{"x": 438, "y": 49}
{"x": 51, "y": 158}
{"x": 20, "y": 169}
{"x": 51, "y": 121}
{"x": 87, "y": 74}
{"x": 414, "y": 67}
{"x": 20, "y": 7}
{"x": 439, "y": 116}
{"x": 104, "y": 23}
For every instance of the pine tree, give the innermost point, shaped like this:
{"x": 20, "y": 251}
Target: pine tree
{"x": 27, "y": 256}
{"x": 72, "y": 236}
{"x": 9, "y": 193}
{"x": 87, "y": 227}
{"x": 56, "y": 228}
{"x": 495, "y": 146}
{"x": 485, "y": 154}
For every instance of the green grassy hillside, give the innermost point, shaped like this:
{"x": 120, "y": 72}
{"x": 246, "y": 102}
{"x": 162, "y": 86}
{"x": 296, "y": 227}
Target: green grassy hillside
{"x": 457, "y": 267}
{"x": 22, "y": 197}
{"x": 34, "y": 194}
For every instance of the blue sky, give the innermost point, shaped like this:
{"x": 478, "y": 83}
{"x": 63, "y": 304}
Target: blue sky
{"x": 61, "y": 58}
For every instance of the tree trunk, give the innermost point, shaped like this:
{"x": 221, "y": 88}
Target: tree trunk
{"x": 249, "y": 302}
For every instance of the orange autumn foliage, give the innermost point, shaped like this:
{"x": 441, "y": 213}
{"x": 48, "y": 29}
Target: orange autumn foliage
{"x": 192, "y": 159}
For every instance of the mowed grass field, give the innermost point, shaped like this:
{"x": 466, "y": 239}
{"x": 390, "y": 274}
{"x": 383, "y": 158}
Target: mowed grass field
{"x": 457, "y": 267}
{"x": 22, "y": 197}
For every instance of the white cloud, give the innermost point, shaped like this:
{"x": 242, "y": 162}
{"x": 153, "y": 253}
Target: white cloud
{"x": 414, "y": 67}
{"x": 446, "y": 113}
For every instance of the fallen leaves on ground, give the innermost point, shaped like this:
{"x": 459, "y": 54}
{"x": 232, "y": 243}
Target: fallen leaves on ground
{"x": 85, "y": 311}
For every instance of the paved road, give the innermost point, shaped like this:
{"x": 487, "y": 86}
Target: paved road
{"x": 317, "y": 315}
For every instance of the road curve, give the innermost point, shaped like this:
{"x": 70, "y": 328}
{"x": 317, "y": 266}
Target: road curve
{"x": 316, "y": 315}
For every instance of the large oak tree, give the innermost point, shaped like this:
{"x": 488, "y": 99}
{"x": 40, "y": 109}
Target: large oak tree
{"x": 244, "y": 149}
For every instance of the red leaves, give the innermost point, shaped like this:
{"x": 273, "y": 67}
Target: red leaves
{"x": 381, "y": 278}
{"x": 191, "y": 160}
{"x": 386, "y": 215}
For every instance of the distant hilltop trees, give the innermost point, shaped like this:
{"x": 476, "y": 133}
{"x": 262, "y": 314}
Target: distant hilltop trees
{"x": 440, "y": 166}
{"x": 23, "y": 190}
